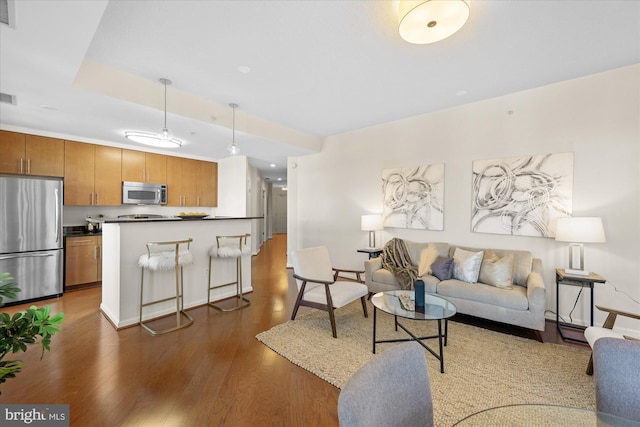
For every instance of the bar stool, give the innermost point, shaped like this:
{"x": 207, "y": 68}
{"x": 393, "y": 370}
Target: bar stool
{"x": 160, "y": 257}
{"x": 230, "y": 247}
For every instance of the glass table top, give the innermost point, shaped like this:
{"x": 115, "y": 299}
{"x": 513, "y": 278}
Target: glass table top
{"x": 435, "y": 306}
{"x": 546, "y": 415}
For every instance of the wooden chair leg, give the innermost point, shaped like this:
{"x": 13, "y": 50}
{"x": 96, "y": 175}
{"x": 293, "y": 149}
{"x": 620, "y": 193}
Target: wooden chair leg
{"x": 590, "y": 365}
{"x": 364, "y": 306}
{"x": 332, "y": 318}
{"x": 298, "y": 300}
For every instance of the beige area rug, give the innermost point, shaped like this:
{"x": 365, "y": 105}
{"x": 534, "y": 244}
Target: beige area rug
{"x": 483, "y": 368}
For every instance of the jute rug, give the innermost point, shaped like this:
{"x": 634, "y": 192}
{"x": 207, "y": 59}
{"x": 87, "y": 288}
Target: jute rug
{"x": 483, "y": 368}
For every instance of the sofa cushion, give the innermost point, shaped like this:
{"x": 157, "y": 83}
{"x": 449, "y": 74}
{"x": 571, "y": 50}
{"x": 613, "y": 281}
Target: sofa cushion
{"x": 514, "y": 298}
{"x": 497, "y": 271}
{"x": 466, "y": 265}
{"x": 442, "y": 268}
{"x": 522, "y": 262}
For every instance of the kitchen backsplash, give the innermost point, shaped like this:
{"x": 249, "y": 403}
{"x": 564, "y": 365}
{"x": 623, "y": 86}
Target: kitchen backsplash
{"x": 75, "y": 215}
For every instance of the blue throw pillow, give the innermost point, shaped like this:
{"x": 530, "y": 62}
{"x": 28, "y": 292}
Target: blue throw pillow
{"x": 442, "y": 268}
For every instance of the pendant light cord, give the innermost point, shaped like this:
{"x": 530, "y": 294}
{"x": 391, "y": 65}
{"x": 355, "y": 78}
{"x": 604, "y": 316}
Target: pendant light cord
{"x": 165, "y": 103}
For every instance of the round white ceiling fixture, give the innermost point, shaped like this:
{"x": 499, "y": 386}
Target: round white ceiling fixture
{"x": 423, "y": 22}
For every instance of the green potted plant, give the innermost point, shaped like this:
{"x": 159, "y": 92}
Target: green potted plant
{"x": 23, "y": 329}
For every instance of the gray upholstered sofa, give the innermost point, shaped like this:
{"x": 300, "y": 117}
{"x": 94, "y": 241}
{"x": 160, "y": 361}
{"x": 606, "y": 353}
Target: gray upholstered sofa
{"x": 523, "y": 304}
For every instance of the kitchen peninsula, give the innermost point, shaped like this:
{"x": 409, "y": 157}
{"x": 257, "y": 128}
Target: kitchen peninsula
{"x": 124, "y": 240}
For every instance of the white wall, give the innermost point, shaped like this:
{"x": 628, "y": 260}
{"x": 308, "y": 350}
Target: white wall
{"x": 596, "y": 117}
{"x": 232, "y": 186}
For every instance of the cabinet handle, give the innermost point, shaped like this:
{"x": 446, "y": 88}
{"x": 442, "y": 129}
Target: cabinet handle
{"x": 97, "y": 198}
{"x": 91, "y": 198}
{"x": 21, "y": 160}
{"x": 80, "y": 241}
{"x": 98, "y": 252}
{"x": 29, "y": 166}
{"x": 198, "y": 201}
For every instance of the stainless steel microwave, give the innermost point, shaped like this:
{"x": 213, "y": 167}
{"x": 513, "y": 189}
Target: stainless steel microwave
{"x": 142, "y": 193}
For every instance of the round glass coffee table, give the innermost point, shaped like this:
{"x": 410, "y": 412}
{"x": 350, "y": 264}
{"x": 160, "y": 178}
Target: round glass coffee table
{"x": 436, "y": 308}
{"x": 544, "y": 415}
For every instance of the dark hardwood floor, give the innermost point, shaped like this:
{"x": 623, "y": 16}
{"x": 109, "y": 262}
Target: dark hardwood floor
{"x": 212, "y": 373}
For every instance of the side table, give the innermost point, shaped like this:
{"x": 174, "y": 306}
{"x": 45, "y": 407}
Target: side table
{"x": 373, "y": 252}
{"x": 564, "y": 278}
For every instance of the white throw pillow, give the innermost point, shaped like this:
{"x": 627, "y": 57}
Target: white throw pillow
{"x": 466, "y": 265}
{"x": 496, "y": 271}
{"x": 427, "y": 256}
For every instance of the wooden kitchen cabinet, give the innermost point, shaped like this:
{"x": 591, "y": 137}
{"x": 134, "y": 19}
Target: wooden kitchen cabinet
{"x": 83, "y": 261}
{"x": 138, "y": 166}
{"x": 192, "y": 182}
{"x": 31, "y": 154}
{"x": 207, "y": 184}
{"x": 92, "y": 175}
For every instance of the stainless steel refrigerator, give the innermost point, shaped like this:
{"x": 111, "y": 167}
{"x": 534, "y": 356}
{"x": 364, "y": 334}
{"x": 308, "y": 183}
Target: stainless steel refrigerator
{"x": 31, "y": 242}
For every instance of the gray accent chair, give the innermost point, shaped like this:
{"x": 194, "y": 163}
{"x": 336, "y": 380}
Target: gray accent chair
{"x": 393, "y": 389}
{"x": 617, "y": 377}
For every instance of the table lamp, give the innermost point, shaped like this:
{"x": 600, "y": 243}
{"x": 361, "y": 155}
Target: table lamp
{"x": 578, "y": 231}
{"x": 371, "y": 223}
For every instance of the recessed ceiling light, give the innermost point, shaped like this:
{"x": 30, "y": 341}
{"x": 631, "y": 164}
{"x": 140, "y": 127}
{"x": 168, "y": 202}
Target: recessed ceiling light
{"x": 461, "y": 93}
{"x": 48, "y": 107}
{"x": 244, "y": 69}
{"x": 273, "y": 165}
{"x": 279, "y": 179}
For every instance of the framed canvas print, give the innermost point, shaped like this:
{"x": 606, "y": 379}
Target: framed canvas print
{"x": 522, "y": 196}
{"x": 413, "y": 197}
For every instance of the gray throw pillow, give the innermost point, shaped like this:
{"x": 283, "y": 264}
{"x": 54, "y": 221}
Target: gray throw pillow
{"x": 442, "y": 268}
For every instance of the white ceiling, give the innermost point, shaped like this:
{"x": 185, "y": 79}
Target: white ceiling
{"x": 318, "y": 68}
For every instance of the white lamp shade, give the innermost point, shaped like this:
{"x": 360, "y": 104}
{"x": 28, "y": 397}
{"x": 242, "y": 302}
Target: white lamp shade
{"x": 580, "y": 230}
{"x": 423, "y": 22}
{"x": 371, "y": 222}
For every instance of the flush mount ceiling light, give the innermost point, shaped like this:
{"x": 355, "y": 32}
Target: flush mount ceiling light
{"x": 164, "y": 138}
{"x": 423, "y": 22}
{"x": 233, "y": 149}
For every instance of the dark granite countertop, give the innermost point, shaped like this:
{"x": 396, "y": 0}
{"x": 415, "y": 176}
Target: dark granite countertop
{"x": 171, "y": 219}
{"x": 78, "y": 230}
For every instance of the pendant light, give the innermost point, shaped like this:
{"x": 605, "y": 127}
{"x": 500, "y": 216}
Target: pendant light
{"x": 423, "y": 22}
{"x": 164, "y": 138}
{"x": 233, "y": 149}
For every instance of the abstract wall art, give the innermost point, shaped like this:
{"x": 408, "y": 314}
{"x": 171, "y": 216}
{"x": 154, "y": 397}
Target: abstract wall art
{"x": 414, "y": 197}
{"x": 522, "y": 196}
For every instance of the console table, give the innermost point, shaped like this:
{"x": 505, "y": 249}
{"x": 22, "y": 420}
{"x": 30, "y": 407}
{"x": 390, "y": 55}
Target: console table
{"x": 373, "y": 252}
{"x": 564, "y": 278}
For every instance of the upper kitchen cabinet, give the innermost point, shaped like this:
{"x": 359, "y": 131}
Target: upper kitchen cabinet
{"x": 31, "y": 154}
{"x": 192, "y": 182}
{"x": 207, "y": 184}
{"x": 92, "y": 175}
{"x": 138, "y": 166}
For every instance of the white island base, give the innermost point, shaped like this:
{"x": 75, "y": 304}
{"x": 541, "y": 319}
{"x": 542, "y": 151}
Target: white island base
{"x": 124, "y": 241}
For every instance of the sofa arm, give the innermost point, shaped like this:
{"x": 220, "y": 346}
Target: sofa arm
{"x": 536, "y": 289}
{"x": 370, "y": 266}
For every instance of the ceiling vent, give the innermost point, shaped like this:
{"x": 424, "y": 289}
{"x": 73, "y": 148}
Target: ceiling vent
{"x": 5, "y": 98}
{"x": 7, "y": 15}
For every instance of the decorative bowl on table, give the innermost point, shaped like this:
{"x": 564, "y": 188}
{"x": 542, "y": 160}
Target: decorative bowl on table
{"x": 192, "y": 215}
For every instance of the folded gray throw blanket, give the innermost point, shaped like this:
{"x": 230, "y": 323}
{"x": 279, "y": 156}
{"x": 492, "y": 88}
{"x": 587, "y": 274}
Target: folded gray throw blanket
{"x": 396, "y": 259}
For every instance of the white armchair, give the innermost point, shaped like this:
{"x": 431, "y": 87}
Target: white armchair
{"x": 594, "y": 333}
{"x": 318, "y": 286}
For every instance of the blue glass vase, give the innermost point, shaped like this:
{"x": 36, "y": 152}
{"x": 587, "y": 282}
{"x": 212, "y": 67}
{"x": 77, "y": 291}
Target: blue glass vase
{"x": 419, "y": 290}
